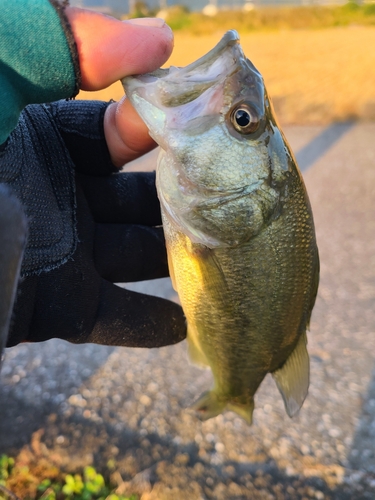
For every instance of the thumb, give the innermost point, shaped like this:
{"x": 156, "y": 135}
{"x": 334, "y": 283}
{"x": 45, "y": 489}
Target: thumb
{"x": 109, "y": 49}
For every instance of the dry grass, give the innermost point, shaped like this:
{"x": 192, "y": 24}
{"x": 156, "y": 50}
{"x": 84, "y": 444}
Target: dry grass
{"x": 268, "y": 18}
{"x": 313, "y": 76}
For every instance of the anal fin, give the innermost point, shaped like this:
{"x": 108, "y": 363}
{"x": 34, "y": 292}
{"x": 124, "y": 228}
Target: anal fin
{"x": 292, "y": 379}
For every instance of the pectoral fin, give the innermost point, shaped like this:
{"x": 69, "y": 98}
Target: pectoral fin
{"x": 195, "y": 353}
{"x": 292, "y": 379}
{"x": 212, "y": 276}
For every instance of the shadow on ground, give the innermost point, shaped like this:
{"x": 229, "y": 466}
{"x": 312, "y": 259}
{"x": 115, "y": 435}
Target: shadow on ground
{"x": 35, "y": 382}
{"x": 155, "y": 467}
{"x": 320, "y": 144}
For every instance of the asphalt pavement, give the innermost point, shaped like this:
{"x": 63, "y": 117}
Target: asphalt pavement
{"x": 90, "y": 404}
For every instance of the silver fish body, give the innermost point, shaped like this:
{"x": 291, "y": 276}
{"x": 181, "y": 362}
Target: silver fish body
{"x": 238, "y": 225}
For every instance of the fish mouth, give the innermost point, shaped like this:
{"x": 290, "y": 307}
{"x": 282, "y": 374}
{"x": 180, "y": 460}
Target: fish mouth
{"x": 173, "y": 98}
{"x": 229, "y": 39}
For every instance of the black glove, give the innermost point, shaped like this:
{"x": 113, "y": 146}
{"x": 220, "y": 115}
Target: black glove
{"x": 68, "y": 292}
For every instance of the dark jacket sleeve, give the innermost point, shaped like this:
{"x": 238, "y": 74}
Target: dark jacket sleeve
{"x": 38, "y": 58}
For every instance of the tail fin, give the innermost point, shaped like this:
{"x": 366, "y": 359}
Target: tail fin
{"x": 210, "y": 405}
{"x": 244, "y": 411}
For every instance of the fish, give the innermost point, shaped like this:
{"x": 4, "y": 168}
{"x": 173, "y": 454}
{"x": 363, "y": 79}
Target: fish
{"x": 238, "y": 226}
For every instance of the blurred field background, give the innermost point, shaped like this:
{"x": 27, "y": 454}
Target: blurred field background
{"x": 318, "y": 62}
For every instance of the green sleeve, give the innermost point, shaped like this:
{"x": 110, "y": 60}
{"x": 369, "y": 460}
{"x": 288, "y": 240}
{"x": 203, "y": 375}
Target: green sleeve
{"x": 38, "y": 58}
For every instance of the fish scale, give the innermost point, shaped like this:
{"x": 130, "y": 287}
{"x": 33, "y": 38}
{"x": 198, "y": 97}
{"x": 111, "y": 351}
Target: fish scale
{"x": 238, "y": 226}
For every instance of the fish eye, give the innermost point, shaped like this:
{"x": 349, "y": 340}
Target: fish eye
{"x": 245, "y": 119}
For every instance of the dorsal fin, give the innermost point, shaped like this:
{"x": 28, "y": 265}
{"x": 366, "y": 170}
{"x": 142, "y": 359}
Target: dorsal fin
{"x": 292, "y": 379}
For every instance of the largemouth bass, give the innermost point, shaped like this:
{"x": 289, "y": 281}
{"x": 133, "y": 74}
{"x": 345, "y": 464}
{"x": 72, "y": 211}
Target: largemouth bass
{"x": 238, "y": 225}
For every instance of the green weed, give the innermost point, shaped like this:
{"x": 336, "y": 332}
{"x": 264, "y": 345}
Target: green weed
{"x": 6, "y": 466}
{"x": 90, "y": 485}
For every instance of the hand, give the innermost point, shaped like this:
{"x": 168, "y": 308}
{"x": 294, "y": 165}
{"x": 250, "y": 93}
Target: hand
{"x": 118, "y": 215}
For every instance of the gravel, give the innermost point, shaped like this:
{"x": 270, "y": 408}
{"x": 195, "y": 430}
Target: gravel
{"x": 96, "y": 404}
